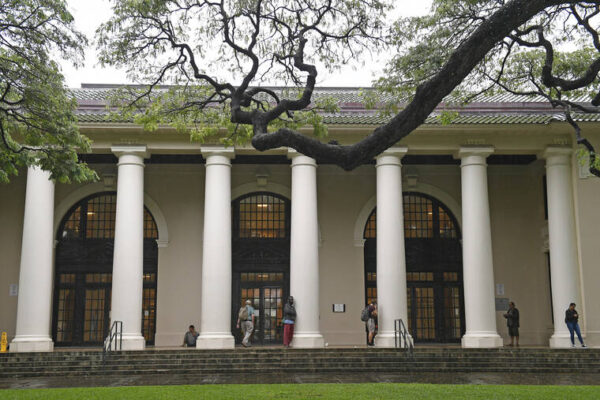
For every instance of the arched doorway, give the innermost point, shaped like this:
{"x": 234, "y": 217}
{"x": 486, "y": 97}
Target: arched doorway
{"x": 433, "y": 269}
{"x": 261, "y": 262}
{"x": 83, "y": 273}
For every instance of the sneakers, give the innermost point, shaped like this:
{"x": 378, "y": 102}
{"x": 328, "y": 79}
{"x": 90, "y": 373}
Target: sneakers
{"x": 573, "y": 345}
{"x": 583, "y": 345}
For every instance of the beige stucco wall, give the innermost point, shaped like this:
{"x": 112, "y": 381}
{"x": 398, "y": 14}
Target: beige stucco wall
{"x": 517, "y": 217}
{"x": 12, "y": 205}
{"x": 587, "y": 202}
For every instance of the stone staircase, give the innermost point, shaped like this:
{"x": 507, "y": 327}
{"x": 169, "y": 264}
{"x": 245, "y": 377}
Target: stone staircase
{"x": 297, "y": 361}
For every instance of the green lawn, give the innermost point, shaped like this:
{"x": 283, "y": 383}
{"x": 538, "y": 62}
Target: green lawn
{"x": 368, "y": 391}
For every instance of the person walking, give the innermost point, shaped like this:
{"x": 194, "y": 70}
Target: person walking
{"x": 372, "y": 323}
{"x": 289, "y": 319}
{"x": 572, "y": 321}
{"x": 246, "y": 322}
{"x": 512, "y": 321}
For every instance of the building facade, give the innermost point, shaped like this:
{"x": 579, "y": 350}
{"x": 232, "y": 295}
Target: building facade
{"x": 442, "y": 229}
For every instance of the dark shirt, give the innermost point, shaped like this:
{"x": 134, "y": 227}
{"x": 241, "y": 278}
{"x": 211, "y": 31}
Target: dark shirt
{"x": 289, "y": 312}
{"x": 571, "y": 316}
{"x": 512, "y": 317}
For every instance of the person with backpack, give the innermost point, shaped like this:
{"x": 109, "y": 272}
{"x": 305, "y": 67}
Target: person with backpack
{"x": 246, "y": 321}
{"x": 369, "y": 316}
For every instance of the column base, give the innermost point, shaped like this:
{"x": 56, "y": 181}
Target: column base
{"x": 388, "y": 340}
{"x": 31, "y": 344}
{"x": 563, "y": 341}
{"x": 308, "y": 341}
{"x": 482, "y": 340}
{"x": 224, "y": 341}
{"x": 133, "y": 343}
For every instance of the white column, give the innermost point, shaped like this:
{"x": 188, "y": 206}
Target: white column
{"x": 36, "y": 275}
{"x": 215, "y": 317}
{"x": 478, "y": 267}
{"x": 304, "y": 252}
{"x": 391, "y": 260}
{"x": 563, "y": 244}
{"x": 128, "y": 259}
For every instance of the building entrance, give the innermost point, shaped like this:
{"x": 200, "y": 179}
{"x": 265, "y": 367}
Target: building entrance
{"x": 261, "y": 263}
{"x": 83, "y": 278}
{"x": 434, "y": 269}
{"x": 265, "y": 291}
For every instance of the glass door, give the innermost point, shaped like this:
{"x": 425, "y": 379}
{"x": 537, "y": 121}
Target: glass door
{"x": 265, "y": 292}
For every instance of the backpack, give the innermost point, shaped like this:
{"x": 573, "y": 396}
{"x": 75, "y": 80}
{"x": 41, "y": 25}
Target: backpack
{"x": 364, "y": 315}
{"x": 243, "y": 314}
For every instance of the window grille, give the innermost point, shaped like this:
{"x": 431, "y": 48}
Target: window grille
{"x": 94, "y": 218}
{"x": 424, "y": 218}
{"x": 262, "y": 216}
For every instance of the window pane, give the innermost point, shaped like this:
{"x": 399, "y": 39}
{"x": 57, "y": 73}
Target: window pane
{"x": 262, "y": 216}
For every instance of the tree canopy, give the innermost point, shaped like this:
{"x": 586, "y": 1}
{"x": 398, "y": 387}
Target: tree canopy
{"x": 548, "y": 48}
{"x": 37, "y": 121}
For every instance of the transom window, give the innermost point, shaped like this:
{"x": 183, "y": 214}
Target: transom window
{"x": 262, "y": 216}
{"x": 424, "y": 218}
{"x": 95, "y": 219}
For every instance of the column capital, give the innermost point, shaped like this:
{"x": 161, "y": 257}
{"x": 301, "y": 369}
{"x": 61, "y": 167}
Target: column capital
{"x": 217, "y": 155}
{"x": 557, "y": 155}
{"x": 474, "y": 155}
{"x": 207, "y": 151}
{"x": 391, "y": 156}
{"x": 130, "y": 149}
{"x": 300, "y": 159}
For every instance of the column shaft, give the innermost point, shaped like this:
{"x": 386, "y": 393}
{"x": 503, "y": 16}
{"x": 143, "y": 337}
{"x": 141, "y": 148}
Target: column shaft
{"x": 391, "y": 260}
{"x": 304, "y": 252}
{"x": 478, "y": 268}
{"x": 215, "y": 318}
{"x": 563, "y": 243}
{"x": 34, "y": 305}
{"x": 128, "y": 259}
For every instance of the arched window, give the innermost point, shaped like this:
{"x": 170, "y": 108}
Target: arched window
{"x": 433, "y": 268}
{"x": 260, "y": 262}
{"x": 94, "y": 218}
{"x": 424, "y": 218}
{"x": 83, "y": 273}
{"x": 261, "y": 216}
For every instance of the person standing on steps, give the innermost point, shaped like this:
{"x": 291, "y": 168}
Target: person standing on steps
{"x": 512, "y": 321}
{"x": 289, "y": 319}
{"x": 372, "y": 323}
{"x": 572, "y": 321}
{"x": 246, "y": 322}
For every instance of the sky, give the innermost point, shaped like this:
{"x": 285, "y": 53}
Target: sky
{"x": 89, "y": 14}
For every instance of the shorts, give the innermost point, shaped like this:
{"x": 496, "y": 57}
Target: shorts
{"x": 513, "y": 331}
{"x": 371, "y": 325}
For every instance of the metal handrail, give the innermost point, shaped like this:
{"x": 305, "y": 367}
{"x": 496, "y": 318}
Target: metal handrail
{"x": 402, "y": 338}
{"x": 115, "y": 334}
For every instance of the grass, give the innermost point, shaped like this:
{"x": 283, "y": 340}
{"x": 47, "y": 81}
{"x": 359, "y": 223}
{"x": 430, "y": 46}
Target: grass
{"x": 367, "y": 391}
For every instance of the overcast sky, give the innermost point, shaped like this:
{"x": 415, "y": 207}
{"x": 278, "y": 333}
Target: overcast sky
{"x": 90, "y": 13}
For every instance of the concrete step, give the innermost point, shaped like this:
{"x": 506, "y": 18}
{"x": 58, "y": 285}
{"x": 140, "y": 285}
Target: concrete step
{"x": 276, "y": 360}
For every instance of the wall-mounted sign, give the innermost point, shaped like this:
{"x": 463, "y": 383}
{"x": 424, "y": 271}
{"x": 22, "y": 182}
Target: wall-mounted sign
{"x": 13, "y": 289}
{"x": 499, "y": 289}
{"x": 339, "y": 308}
{"x": 501, "y": 303}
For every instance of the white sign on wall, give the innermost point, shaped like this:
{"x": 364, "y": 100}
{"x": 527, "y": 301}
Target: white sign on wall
{"x": 499, "y": 289}
{"x": 13, "y": 290}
